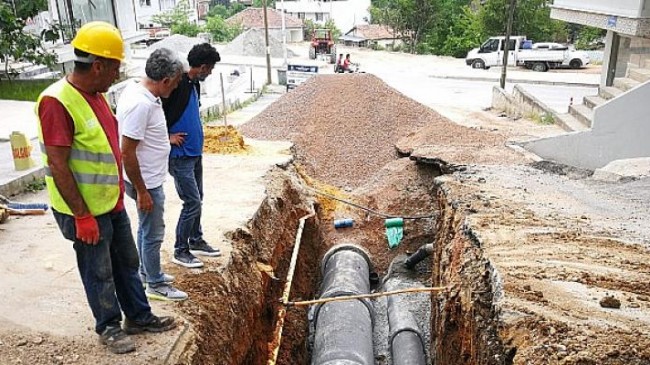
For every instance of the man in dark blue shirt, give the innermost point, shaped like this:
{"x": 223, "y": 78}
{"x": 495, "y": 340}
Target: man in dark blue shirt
{"x": 185, "y": 165}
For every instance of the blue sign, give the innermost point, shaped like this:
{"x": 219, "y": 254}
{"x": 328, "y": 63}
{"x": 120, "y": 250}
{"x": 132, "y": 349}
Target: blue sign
{"x": 611, "y": 21}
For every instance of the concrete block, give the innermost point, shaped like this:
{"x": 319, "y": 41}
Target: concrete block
{"x": 582, "y": 113}
{"x": 609, "y": 92}
{"x": 593, "y": 101}
{"x": 625, "y": 83}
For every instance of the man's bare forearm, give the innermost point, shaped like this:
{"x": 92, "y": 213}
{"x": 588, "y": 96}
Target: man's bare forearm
{"x": 131, "y": 164}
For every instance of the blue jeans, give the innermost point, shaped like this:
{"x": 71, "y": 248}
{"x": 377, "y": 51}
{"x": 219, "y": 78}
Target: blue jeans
{"x": 188, "y": 179}
{"x": 151, "y": 232}
{"x": 109, "y": 270}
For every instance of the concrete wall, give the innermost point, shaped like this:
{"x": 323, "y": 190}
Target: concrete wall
{"x": 620, "y": 130}
{"x": 627, "y": 8}
{"x": 522, "y": 104}
{"x": 639, "y": 52}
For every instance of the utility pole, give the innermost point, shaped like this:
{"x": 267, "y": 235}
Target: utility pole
{"x": 284, "y": 36}
{"x": 506, "y": 43}
{"x": 268, "y": 48}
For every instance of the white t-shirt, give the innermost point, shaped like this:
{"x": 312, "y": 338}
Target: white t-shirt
{"x": 141, "y": 117}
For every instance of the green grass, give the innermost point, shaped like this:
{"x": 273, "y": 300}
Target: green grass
{"x": 25, "y": 90}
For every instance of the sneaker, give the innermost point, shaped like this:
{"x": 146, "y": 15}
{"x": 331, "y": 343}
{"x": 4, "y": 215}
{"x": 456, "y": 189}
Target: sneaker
{"x": 157, "y": 324}
{"x": 116, "y": 340}
{"x": 186, "y": 259}
{"x": 164, "y": 291}
{"x": 200, "y": 247}
{"x": 167, "y": 279}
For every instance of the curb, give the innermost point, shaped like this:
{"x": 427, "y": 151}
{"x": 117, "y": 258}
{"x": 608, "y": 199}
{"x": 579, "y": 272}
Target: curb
{"x": 17, "y": 186}
{"x": 495, "y": 79}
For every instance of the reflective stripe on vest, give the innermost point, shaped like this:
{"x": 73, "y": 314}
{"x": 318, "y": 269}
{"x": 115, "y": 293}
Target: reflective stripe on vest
{"x": 91, "y": 161}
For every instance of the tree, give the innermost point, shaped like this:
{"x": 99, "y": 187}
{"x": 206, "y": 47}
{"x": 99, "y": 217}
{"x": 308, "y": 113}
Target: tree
{"x": 532, "y": 19}
{"x": 220, "y": 30}
{"x": 180, "y": 14}
{"x": 226, "y": 11}
{"x": 329, "y": 24}
{"x": 589, "y": 37}
{"x": 15, "y": 43}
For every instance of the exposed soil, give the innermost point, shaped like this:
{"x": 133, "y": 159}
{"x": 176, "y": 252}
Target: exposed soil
{"x": 528, "y": 254}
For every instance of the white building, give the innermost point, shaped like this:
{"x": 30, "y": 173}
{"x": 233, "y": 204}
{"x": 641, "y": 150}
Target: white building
{"x": 72, "y": 14}
{"x": 614, "y": 122}
{"x": 146, "y": 9}
{"x": 345, "y": 13}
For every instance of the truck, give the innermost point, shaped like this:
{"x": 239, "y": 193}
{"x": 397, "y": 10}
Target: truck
{"x": 537, "y": 57}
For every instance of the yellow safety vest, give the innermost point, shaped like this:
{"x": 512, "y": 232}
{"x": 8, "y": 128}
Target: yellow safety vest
{"x": 91, "y": 160}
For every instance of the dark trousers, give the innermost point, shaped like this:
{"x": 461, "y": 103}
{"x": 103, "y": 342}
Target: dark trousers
{"x": 109, "y": 270}
{"x": 188, "y": 179}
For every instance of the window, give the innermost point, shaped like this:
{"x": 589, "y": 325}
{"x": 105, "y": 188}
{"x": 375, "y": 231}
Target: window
{"x": 167, "y": 4}
{"x": 319, "y": 17}
{"x": 301, "y": 16}
{"x": 513, "y": 44}
{"x": 74, "y": 13}
{"x": 145, "y": 2}
{"x": 492, "y": 45}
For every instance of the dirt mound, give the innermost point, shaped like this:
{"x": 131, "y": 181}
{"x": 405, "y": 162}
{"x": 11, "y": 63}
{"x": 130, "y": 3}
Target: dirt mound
{"x": 252, "y": 43}
{"x": 177, "y": 43}
{"x": 220, "y": 139}
{"x": 345, "y": 127}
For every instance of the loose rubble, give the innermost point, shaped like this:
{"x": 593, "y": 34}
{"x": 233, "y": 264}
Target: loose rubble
{"x": 346, "y": 127}
{"x": 252, "y": 43}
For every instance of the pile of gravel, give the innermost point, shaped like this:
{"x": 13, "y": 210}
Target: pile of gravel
{"x": 253, "y": 43}
{"x": 178, "y": 43}
{"x": 345, "y": 127}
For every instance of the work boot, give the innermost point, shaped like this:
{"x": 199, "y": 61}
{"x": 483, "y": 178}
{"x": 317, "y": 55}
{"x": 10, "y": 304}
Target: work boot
{"x": 202, "y": 248}
{"x": 116, "y": 340}
{"x": 156, "y": 324}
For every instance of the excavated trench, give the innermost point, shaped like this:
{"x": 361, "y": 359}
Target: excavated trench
{"x": 234, "y": 312}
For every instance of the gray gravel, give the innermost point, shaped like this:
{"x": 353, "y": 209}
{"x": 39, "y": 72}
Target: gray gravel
{"x": 345, "y": 127}
{"x": 253, "y": 43}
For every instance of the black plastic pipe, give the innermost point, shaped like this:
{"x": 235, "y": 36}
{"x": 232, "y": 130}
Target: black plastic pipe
{"x": 343, "y": 330}
{"x": 423, "y": 252}
{"x": 406, "y": 340}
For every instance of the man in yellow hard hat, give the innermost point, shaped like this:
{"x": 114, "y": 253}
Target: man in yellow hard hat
{"x": 81, "y": 154}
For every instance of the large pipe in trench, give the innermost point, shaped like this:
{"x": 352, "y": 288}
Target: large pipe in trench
{"x": 406, "y": 341}
{"x": 343, "y": 330}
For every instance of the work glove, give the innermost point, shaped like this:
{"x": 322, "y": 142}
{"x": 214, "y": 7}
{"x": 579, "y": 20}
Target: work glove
{"x": 87, "y": 229}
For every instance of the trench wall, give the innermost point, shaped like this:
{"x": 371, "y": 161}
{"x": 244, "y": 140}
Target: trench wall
{"x": 464, "y": 318}
{"x": 233, "y": 311}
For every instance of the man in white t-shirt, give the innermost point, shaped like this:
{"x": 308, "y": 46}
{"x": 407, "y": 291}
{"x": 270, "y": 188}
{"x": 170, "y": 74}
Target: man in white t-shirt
{"x": 145, "y": 148}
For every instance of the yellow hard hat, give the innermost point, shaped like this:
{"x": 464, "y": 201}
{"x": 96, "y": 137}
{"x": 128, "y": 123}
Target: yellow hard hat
{"x": 100, "y": 39}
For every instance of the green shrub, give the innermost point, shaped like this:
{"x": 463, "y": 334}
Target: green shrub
{"x": 24, "y": 90}
{"x": 186, "y": 28}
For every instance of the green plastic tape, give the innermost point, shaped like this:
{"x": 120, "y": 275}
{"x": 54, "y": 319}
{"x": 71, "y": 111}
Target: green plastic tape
{"x": 394, "y": 222}
{"x": 394, "y": 231}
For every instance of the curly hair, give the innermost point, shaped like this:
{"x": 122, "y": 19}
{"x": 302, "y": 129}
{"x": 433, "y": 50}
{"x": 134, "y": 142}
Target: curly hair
{"x": 203, "y": 54}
